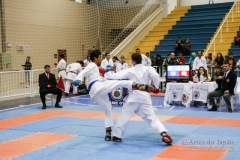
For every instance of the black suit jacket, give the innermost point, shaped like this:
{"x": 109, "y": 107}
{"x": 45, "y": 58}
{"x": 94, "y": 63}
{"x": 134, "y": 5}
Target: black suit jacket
{"x": 44, "y": 81}
{"x": 229, "y": 82}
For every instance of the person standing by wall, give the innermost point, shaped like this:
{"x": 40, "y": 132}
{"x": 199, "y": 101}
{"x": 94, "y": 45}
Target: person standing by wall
{"x": 61, "y": 67}
{"x": 27, "y": 67}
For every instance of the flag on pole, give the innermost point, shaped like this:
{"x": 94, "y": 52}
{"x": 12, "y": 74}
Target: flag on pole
{"x": 60, "y": 84}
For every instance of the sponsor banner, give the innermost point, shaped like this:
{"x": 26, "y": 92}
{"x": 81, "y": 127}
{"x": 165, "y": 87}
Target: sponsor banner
{"x": 200, "y": 92}
{"x": 187, "y": 95}
{"x": 175, "y": 92}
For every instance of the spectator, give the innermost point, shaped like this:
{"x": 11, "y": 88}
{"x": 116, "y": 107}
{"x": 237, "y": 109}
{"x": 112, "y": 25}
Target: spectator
{"x": 199, "y": 61}
{"x": 107, "y": 61}
{"x": 148, "y": 55}
{"x": 27, "y": 67}
{"x": 209, "y": 59}
{"x": 115, "y": 61}
{"x": 187, "y": 47}
{"x": 237, "y": 41}
{"x": 159, "y": 60}
{"x": 122, "y": 64}
{"x": 211, "y": 1}
{"x": 172, "y": 60}
{"x": 47, "y": 84}
{"x": 219, "y": 59}
{"x": 217, "y": 77}
{"x": 73, "y": 70}
{"x": 87, "y": 60}
{"x": 201, "y": 76}
{"x": 226, "y": 89}
{"x": 231, "y": 60}
{"x": 237, "y": 71}
{"x": 181, "y": 59}
{"x": 238, "y": 63}
{"x": 179, "y": 46}
{"x": 210, "y": 62}
{"x": 145, "y": 60}
{"x": 153, "y": 61}
{"x": 166, "y": 59}
{"x": 191, "y": 59}
{"x": 217, "y": 73}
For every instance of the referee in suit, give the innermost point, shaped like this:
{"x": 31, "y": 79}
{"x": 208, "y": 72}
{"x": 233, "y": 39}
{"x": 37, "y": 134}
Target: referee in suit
{"x": 47, "y": 84}
{"x": 226, "y": 89}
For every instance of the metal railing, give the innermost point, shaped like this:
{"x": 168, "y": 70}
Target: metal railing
{"x": 225, "y": 21}
{"x": 20, "y": 83}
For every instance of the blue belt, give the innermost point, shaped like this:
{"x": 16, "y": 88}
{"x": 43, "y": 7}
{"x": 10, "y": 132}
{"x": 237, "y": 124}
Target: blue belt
{"x": 90, "y": 85}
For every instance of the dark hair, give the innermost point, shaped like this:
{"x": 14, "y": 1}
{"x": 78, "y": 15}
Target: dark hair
{"x": 81, "y": 62}
{"x": 218, "y": 67}
{"x": 137, "y": 58}
{"x": 204, "y": 74}
{"x": 46, "y": 66}
{"x": 221, "y": 56}
{"x": 106, "y": 54}
{"x": 230, "y": 53}
{"x": 115, "y": 57}
{"x": 94, "y": 54}
{"x": 158, "y": 55}
{"x": 226, "y": 62}
{"x": 61, "y": 55}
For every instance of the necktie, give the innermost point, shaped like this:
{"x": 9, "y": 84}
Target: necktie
{"x": 47, "y": 76}
{"x": 225, "y": 75}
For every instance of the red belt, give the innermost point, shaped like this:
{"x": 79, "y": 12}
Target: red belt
{"x": 72, "y": 72}
{"x": 62, "y": 70}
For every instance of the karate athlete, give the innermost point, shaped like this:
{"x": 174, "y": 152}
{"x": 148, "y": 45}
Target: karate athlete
{"x": 61, "y": 67}
{"x": 73, "y": 70}
{"x": 99, "y": 88}
{"x": 138, "y": 102}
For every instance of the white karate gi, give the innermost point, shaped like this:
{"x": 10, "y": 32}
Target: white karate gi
{"x": 100, "y": 88}
{"x": 72, "y": 71}
{"x": 138, "y": 102}
{"x": 199, "y": 63}
{"x": 105, "y": 63}
{"x": 61, "y": 67}
{"x": 120, "y": 66}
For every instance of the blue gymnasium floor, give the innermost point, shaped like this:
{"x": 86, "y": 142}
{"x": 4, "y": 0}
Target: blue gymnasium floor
{"x": 76, "y": 132}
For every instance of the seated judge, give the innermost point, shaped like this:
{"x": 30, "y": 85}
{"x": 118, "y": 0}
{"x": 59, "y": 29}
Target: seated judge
{"x": 47, "y": 84}
{"x": 226, "y": 89}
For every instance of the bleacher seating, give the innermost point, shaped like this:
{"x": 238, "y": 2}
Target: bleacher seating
{"x": 234, "y": 50}
{"x": 199, "y": 25}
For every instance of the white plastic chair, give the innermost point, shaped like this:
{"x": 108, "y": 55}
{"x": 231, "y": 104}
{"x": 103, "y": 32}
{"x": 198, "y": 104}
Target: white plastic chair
{"x": 51, "y": 97}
